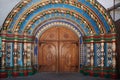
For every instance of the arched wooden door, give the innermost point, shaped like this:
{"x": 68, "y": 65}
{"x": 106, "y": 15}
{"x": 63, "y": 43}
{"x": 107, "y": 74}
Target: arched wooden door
{"x": 58, "y": 51}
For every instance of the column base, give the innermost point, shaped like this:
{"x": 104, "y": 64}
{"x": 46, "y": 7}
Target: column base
{"x": 25, "y": 73}
{"x": 3, "y": 75}
{"x": 91, "y": 73}
{"x": 114, "y": 76}
{"x": 15, "y": 74}
{"x": 102, "y": 74}
{"x": 21, "y": 74}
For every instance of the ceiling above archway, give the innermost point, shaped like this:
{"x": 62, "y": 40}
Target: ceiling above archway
{"x": 89, "y": 16}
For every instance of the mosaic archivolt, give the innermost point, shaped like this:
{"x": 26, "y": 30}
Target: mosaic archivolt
{"x": 57, "y": 24}
{"x": 59, "y": 15}
{"x": 59, "y": 19}
{"x": 14, "y": 12}
{"x": 70, "y": 2}
{"x": 64, "y": 11}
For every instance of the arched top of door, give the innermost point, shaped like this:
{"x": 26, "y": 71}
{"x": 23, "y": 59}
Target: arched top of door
{"x": 59, "y": 34}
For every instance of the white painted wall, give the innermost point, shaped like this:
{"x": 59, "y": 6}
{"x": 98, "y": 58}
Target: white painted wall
{"x": 106, "y": 3}
{"x": 7, "y": 5}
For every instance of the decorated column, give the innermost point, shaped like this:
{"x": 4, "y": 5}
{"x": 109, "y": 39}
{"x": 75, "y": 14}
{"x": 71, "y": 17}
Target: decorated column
{"x": 25, "y": 51}
{"x": 88, "y": 54}
{"x": 114, "y": 75}
{"x": 91, "y": 52}
{"x": 3, "y": 56}
{"x": 13, "y": 44}
{"x": 29, "y": 65}
{"x": 114, "y": 55}
{"x": 3, "y": 50}
{"x": 15, "y": 53}
{"x": 102, "y": 54}
{"x": 36, "y": 53}
{"x": 29, "y": 55}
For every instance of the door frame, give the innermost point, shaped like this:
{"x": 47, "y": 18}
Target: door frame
{"x": 78, "y": 42}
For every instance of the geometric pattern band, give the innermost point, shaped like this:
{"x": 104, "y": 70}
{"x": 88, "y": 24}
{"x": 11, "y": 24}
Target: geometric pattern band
{"x": 9, "y": 54}
{"x": 98, "y": 54}
{"x": 109, "y": 54}
{"x": 87, "y": 55}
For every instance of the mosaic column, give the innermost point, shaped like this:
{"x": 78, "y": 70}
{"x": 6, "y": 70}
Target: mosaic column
{"x": 20, "y": 54}
{"x": 3, "y": 50}
{"x": 36, "y": 53}
{"x": 91, "y": 53}
{"x": 25, "y": 51}
{"x": 3, "y": 56}
{"x": 102, "y": 54}
{"x": 29, "y": 54}
{"x": 88, "y": 54}
{"x": 15, "y": 54}
{"x": 29, "y": 51}
{"x": 32, "y": 55}
{"x": 8, "y": 54}
{"x": 114, "y": 55}
{"x": 3, "y": 61}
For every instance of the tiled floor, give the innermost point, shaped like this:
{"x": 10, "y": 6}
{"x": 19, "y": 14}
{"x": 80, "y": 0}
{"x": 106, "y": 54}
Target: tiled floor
{"x": 57, "y": 76}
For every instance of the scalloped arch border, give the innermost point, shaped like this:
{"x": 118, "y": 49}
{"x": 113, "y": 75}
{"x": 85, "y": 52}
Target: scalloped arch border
{"x": 59, "y": 22}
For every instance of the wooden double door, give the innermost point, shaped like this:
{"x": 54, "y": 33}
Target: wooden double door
{"x": 58, "y": 51}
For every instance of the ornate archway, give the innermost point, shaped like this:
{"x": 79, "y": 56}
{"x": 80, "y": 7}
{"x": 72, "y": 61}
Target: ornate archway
{"x": 87, "y": 18}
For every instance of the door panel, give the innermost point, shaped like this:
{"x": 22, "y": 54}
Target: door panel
{"x": 66, "y": 34}
{"x": 48, "y": 56}
{"x": 68, "y": 53}
{"x": 58, "y": 51}
{"x": 50, "y": 34}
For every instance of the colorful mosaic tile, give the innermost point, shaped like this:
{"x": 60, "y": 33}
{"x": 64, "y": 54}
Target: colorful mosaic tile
{"x": 82, "y": 54}
{"x": 87, "y": 55}
{"x": 98, "y": 50}
{"x": 109, "y": 54}
{"x": 9, "y": 54}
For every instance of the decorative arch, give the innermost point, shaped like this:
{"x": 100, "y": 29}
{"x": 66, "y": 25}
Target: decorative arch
{"x": 28, "y": 12}
{"x": 87, "y": 18}
{"x": 57, "y": 22}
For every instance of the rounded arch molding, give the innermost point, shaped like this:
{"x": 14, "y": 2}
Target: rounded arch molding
{"x": 58, "y": 22}
{"x": 97, "y": 17}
